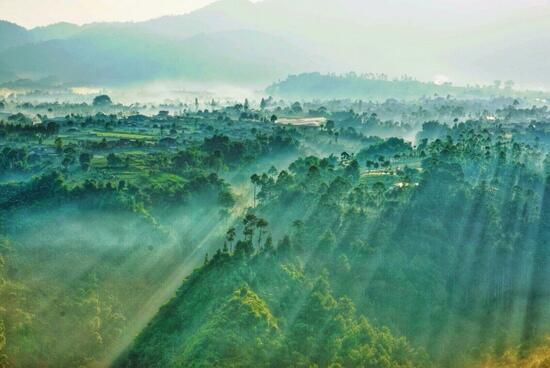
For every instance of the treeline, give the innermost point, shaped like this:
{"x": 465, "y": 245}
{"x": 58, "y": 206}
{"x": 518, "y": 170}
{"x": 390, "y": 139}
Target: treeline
{"x": 51, "y": 188}
{"x": 236, "y": 153}
{"x": 47, "y": 129}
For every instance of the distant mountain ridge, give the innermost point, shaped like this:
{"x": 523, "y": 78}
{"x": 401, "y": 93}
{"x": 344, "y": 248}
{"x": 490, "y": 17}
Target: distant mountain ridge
{"x": 484, "y": 43}
{"x": 98, "y": 59}
{"x": 12, "y": 35}
{"x": 206, "y": 45}
{"x": 55, "y": 31}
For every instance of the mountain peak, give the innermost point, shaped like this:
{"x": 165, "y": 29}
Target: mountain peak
{"x": 58, "y": 25}
{"x": 6, "y": 24}
{"x": 12, "y": 35}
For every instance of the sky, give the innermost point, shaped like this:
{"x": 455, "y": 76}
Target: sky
{"x": 32, "y": 13}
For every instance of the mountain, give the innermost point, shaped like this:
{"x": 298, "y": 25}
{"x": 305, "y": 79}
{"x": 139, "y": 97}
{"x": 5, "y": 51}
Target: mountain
{"x": 12, "y": 35}
{"x": 56, "y": 31}
{"x": 466, "y": 42}
{"x": 113, "y": 56}
{"x": 212, "y": 44}
{"x": 226, "y": 15}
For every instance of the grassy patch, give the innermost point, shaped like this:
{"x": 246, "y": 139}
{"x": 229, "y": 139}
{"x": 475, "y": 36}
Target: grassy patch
{"x": 124, "y": 135}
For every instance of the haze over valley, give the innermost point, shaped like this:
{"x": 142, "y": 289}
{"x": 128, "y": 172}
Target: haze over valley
{"x": 277, "y": 183}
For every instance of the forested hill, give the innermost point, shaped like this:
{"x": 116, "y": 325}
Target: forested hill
{"x": 264, "y": 312}
{"x": 336, "y": 267}
{"x": 377, "y": 87}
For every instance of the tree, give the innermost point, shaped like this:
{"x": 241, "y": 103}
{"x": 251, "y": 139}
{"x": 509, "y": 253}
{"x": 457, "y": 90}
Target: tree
{"x": 263, "y": 104}
{"x": 230, "y": 237}
{"x": 273, "y": 171}
{"x": 255, "y": 179}
{"x": 102, "y": 100}
{"x": 285, "y": 246}
{"x": 85, "y": 159}
{"x": 225, "y": 199}
{"x": 352, "y": 169}
{"x": 296, "y": 107}
{"x": 58, "y": 145}
{"x": 344, "y": 158}
{"x": 274, "y": 119}
{"x": 112, "y": 159}
{"x": 52, "y": 128}
{"x": 268, "y": 245}
{"x": 68, "y": 160}
{"x": 379, "y": 190}
{"x": 261, "y": 225}
{"x": 249, "y": 223}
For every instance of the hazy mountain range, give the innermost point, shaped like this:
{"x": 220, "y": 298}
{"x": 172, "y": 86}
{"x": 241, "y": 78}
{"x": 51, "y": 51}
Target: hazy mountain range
{"x": 239, "y": 42}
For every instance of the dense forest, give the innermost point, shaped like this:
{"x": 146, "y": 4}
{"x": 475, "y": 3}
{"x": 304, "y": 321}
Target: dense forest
{"x": 337, "y": 233}
{"x": 274, "y": 183}
{"x": 443, "y": 255}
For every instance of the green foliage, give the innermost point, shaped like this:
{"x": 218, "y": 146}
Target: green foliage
{"x": 102, "y": 100}
{"x": 321, "y": 246}
{"x": 388, "y": 148}
{"x": 13, "y": 159}
{"x": 288, "y": 319}
{"x": 383, "y": 261}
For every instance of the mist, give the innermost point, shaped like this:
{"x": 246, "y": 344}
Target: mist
{"x": 276, "y": 183}
{"x": 396, "y": 38}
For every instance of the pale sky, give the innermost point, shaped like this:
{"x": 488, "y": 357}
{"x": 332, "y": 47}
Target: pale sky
{"x": 32, "y": 13}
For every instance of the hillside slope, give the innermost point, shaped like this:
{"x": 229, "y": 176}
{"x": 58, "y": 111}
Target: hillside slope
{"x": 263, "y": 312}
